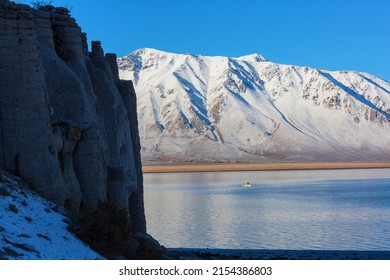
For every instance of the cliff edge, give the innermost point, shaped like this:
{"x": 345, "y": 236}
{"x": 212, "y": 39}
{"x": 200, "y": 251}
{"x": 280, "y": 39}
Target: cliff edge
{"x": 68, "y": 124}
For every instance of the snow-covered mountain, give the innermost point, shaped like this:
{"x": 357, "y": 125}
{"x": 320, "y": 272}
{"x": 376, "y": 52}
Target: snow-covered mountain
{"x": 193, "y": 107}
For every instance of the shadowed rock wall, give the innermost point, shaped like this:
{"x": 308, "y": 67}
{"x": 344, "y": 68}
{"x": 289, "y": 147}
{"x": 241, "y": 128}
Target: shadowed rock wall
{"x": 68, "y": 124}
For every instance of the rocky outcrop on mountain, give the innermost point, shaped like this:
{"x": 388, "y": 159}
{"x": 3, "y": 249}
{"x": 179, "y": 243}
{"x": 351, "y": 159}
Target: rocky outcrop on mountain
{"x": 223, "y": 109}
{"x": 68, "y": 124}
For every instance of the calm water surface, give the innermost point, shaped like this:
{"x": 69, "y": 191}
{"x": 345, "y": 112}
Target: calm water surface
{"x": 316, "y": 209}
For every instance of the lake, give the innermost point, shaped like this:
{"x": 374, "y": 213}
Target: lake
{"x": 305, "y": 209}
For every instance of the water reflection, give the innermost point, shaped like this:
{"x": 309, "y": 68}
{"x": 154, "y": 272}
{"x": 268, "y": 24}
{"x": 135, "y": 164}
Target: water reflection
{"x": 332, "y": 209}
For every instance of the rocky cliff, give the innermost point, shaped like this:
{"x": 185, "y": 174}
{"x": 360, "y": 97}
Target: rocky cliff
{"x": 68, "y": 124}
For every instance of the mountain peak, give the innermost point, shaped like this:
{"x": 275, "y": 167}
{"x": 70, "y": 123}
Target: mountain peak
{"x": 252, "y": 58}
{"x": 144, "y": 51}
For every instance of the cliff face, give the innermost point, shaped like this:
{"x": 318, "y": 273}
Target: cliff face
{"x": 68, "y": 124}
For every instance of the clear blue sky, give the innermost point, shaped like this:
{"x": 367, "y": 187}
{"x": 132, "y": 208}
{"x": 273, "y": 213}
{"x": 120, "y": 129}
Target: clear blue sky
{"x": 329, "y": 34}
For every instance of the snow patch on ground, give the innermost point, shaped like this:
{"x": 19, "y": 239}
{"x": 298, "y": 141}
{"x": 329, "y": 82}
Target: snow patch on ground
{"x": 32, "y": 228}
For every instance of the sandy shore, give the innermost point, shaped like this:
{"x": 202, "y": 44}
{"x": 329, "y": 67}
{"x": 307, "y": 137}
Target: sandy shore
{"x": 172, "y": 167}
{"x": 231, "y": 254}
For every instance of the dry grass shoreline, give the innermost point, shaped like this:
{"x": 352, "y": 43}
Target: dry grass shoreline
{"x": 206, "y": 167}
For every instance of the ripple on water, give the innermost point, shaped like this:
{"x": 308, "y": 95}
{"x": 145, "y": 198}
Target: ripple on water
{"x": 338, "y": 211}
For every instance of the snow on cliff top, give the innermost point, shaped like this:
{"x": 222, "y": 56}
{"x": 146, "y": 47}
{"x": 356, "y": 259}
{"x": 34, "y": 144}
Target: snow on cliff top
{"x": 31, "y": 229}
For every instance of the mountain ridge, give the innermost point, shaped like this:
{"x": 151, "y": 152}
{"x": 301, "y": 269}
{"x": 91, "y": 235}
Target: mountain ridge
{"x": 219, "y": 108}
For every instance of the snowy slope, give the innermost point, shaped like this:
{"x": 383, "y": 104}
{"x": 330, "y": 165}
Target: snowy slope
{"x": 193, "y": 107}
{"x": 31, "y": 229}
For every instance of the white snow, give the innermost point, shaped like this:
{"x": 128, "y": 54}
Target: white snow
{"x": 250, "y": 108}
{"x": 31, "y": 229}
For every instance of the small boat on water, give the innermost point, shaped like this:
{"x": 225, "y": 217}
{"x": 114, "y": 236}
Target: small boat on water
{"x": 247, "y": 185}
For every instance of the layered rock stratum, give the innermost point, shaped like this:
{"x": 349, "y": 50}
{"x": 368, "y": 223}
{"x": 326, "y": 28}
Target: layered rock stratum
{"x": 68, "y": 124}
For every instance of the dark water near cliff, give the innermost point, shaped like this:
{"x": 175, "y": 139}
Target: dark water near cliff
{"x": 319, "y": 209}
